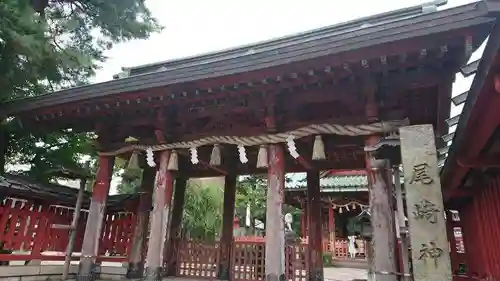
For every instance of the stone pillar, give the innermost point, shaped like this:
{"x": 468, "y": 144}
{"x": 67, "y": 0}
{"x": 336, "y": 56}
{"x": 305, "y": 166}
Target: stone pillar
{"x": 227, "y": 226}
{"x": 175, "y": 226}
{"x": 315, "y": 247}
{"x": 424, "y": 201}
{"x": 275, "y": 225}
{"x": 140, "y": 236}
{"x": 382, "y": 219}
{"x": 95, "y": 218}
{"x": 159, "y": 219}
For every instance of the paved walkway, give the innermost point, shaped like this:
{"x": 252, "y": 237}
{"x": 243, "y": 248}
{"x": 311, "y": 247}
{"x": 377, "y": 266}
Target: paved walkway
{"x": 344, "y": 274}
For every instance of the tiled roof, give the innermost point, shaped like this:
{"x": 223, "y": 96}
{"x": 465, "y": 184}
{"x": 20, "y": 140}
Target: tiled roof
{"x": 337, "y": 183}
{"x": 347, "y": 181}
{"x": 27, "y": 188}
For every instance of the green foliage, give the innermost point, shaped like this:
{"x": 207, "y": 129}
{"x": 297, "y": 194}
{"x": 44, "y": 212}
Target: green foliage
{"x": 327, "y": 259}
{"x": 130, "y": 179}
{"x": 50, "y": 45}
{"x": 47, "y": 152}
{"x": 251, "y": 191}
{"x": 202, "y": 217}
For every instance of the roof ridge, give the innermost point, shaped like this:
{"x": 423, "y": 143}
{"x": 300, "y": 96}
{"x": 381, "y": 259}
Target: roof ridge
{"x": 359, "y": 22}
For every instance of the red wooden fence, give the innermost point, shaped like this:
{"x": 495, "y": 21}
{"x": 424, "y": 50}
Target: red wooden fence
{"x": 27, "y": 227}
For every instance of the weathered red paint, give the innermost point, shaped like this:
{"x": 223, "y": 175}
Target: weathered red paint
{"x": 275, "y": 240}
{"x": 93, "y": 229}
{"x": 159, "y": 218}
{"x": 480, "y": 219}
{"x": 331, "y": 228}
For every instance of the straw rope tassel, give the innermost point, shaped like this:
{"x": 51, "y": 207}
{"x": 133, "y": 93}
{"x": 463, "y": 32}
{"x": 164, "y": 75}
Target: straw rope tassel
{"x": 173, "y": 161}
{"x": 215, "y": 157}
{"x": 133, "y": 163}
{"x": 262, "y": 161}
{"x": 318, "y": 149}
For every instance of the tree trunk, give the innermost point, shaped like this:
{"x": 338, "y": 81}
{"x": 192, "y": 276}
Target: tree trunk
{"x": 4, "y": 143}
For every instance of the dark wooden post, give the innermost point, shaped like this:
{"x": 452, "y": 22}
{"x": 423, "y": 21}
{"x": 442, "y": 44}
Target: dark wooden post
{"x": 303, "y": 221}
{"x": 95, "y": 218}
{"x": 315, "y": 249}
{"x": 170, "y": 258}
{"x": 275, "y": 225}
{"x": 227, "y": 226}
{"x": 175, "y": 225}
{"x": 139, "y": 238}
{"x": 159, "y": 219}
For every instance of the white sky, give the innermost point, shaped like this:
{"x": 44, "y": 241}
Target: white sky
{"x": 195, "y": 26}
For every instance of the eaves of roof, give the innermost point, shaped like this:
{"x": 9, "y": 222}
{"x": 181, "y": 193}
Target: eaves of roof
{"x": 483, "y": 68}
{"x": 360, "y": 34}
{"x": 27, "y": 188}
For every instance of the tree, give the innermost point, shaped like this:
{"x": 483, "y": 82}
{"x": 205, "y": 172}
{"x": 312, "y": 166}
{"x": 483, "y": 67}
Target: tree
{"x": 252, "y": 192}
{"x": 49, "y": 45}
{"x": 202, "y": 216}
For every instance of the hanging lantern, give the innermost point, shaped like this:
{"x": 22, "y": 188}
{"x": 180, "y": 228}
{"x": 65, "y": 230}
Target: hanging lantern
{"x": 215, "y": 157}
{"x": 318, "y": 149}
{"x": 262, "y": 160}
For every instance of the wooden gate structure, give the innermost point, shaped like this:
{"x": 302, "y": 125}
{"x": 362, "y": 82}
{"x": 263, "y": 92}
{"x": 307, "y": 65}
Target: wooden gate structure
{"x": 321, "y": 100}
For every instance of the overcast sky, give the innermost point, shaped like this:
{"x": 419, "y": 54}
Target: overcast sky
{"x": 195, "y": 26}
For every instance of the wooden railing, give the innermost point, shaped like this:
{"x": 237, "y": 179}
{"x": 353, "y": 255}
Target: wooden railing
{"x": 29, "y": 228}
{"x": 198, "y": 259}
{"x": 248, "y": 259}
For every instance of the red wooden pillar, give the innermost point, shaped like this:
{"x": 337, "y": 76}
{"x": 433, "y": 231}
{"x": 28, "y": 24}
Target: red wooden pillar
{"x": 382, "y": 256}
{"x": 139, "y": 238}
{"x": 331, "y": 229}
{"x": 227, "y": 226}
{"x": 275, "y": 225}
{"x": 315, "y": 247}
{"x": 159, "y": 219}
{"x": 175, "y": 226}
{"x": 95, "y": 218}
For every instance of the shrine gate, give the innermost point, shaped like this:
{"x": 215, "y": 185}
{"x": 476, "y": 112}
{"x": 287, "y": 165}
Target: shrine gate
{"x": 368, "y": 94}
